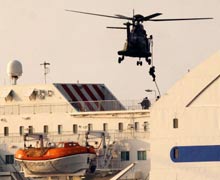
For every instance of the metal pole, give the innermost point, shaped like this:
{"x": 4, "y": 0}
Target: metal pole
{"x": 46, "y": 70}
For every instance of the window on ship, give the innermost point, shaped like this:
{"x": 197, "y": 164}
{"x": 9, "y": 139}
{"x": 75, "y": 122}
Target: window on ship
{"x": 30, "y": 129}
{"x": 21, "y": 130}
{"x": 125, "y": 155}
{"x": 90, "y": 127}
{"x": 120, "y": 126}
{"x": 60, "y": 129}
{"x": 46, "y": 129}
{"x": 75, "y": 129}
{"x": 136, "y": 126}
{"x": 105, "y": 127}
{"x": 146, "y": 126}
{"x": 6, "y": 131}
{"x": 175, "y": 123}
{"x": 141, "y": 155}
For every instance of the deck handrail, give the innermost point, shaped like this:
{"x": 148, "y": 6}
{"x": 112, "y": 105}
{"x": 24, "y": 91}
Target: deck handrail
{"x": 69, "y": 107}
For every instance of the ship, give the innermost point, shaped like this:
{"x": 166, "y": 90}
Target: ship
{"x": 66, "y": 112}
{"x": 177, "y": 138}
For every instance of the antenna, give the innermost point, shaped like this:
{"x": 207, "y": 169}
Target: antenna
{"x": 46, "y": 70}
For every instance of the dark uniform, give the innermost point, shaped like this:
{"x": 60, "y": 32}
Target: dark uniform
{"x": 145, "y": 104}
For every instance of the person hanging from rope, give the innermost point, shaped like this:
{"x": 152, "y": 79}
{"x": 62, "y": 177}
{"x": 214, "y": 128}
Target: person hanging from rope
{"x": 152, "y": 72}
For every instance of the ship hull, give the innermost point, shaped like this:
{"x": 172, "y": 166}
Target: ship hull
{"x": 64, "y": 165}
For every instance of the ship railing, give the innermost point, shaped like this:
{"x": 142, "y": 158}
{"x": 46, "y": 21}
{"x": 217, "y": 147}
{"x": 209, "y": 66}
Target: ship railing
{"x": 114, "y": 135}
{"x": 107, "y": 105}
{"x": 129, "y": 134}
{"x": 12, "y": 138}
{"x": 36, "y": 108}
{"x": 79, "y": 106}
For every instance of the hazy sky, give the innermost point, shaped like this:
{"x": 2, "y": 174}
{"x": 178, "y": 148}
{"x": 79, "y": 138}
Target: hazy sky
{"x": 80, "y": 48}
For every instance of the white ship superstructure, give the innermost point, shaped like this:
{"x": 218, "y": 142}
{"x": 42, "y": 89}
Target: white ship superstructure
{"x": 185, "y": 127}
{"x": 65, "y": 112}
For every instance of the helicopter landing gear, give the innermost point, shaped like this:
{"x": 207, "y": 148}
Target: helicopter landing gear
{"x": 120, "y": 59}
{"x": 139, "y": 63}
{"x": 148, "y": 61}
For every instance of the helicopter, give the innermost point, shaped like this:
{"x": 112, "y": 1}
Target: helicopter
{"x": 138, "y": 44}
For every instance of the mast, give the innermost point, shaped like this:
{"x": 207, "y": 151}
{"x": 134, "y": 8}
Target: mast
{"x": 46, "y": 70}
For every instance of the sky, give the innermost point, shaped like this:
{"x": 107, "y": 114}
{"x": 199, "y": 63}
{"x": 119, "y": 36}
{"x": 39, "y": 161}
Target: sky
{"x": 81, "y": 49}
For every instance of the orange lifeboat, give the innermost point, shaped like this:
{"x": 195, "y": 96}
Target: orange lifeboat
{"x": 55, "y": 158}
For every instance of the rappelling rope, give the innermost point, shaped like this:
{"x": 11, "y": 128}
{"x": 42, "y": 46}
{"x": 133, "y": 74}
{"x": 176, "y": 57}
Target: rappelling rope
{"x": 152, "y": 68}
{"x": 151, "y": 49}
{"x": 157, "y": 88}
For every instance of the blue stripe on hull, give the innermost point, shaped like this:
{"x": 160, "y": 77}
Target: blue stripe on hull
{"x": 195, "y": 153}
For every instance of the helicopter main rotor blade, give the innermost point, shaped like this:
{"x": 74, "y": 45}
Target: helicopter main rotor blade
{"x": 147, "y": 18}
{"x": 123, "y": 17}
{"x": 139, "y": 17}
{"x": 109, "y": 27}
{"x": 94, "y": 14}
{"x": 180, "y": 19}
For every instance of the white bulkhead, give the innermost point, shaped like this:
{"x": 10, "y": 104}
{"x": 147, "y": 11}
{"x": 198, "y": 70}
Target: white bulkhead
{"x": 185, "y": 127}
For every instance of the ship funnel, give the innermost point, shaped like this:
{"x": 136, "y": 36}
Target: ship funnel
{"x": 14, "y": 71}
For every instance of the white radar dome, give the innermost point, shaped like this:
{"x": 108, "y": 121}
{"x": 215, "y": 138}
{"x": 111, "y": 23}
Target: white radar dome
{"x": 14, "y": 70}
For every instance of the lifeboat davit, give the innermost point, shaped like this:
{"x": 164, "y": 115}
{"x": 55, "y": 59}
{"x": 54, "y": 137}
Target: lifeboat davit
{"x": 55, "y": 158}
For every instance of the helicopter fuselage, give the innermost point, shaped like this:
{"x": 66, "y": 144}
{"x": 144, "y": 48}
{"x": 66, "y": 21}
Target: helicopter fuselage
{"x": 137, "y": 44}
